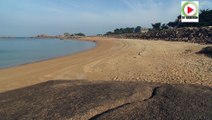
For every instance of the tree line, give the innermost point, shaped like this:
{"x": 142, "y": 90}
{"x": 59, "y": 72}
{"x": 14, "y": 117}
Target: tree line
{"x": 205, "y": 19}
{"x": 125, "y": 30}
{"x": 75, "y": 34}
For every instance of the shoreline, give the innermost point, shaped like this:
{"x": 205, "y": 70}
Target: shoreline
{"x": 47, "y": 59}
{"x": 117, "y": 60}
{"x": 9, "y": 70}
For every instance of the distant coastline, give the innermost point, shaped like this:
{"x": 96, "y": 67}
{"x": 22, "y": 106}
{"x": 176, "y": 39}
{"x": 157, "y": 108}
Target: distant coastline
{"x": 13, "y": 37}
{"x": 45, "y": 36}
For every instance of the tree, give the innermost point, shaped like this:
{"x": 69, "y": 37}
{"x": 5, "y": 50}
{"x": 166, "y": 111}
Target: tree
{"x": 205, "y": 19}
{"x": 109, "y": 33}
{"x": 172, "y": 24}
{"x": 118, "y": 31}
{"x": 124, "y": 30}
{"x": 138, "y": 29}
{"x": 156, "y": 26}
{"x": 128, "y": 30}
{"x": 164, "y": 26}
{"x": 79, "y": 34}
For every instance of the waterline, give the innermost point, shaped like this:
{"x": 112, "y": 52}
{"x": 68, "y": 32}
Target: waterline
{"x": 19, "y": 51}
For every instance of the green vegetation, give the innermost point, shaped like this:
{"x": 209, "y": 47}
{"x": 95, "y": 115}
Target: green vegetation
{"x": 125, "y": 30}
{"x": 79, "y": 34}
{"x": 156, "y": 26}
{"x": 75, "y": 34}
{"x": 164, "y": 26}
{"x": 138, "y": 29}
{"x": 205, "y": 20}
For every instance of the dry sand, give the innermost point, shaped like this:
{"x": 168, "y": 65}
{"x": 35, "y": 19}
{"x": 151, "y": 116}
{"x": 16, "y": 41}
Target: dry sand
{"x": 118, "y": 60}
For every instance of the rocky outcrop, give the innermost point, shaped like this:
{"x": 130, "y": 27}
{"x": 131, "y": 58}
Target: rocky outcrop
{"x": 190, "y": 34}
{"x": 86, "y": 100}
{"x": 206, "y": 51}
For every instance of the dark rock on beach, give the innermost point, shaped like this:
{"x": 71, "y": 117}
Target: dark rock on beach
{"x": 107, "y": 100}
{"x": 206, "y": 51}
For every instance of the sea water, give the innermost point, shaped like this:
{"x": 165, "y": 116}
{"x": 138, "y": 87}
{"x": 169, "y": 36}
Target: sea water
{"x": 17, "y": 51}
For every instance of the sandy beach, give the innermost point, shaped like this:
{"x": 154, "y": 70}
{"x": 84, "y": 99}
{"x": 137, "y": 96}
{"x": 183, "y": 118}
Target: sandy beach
{"x": 118, "y": 79}
{"x": 118, "y": 60}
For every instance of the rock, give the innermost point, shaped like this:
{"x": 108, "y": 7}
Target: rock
{"x": 206, "y": 51}
{"x": 107, "y": 101}
{"x": 201, "y": 35}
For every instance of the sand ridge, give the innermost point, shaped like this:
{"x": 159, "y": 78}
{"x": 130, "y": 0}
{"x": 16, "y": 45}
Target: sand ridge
{"x": 118, "y": 60}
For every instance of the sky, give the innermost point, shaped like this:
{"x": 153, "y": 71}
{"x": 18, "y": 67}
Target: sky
{"x": 54, "y": 17}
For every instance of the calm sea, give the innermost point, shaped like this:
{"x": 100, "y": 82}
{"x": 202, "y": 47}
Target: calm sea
{"x": 25, "y": 50}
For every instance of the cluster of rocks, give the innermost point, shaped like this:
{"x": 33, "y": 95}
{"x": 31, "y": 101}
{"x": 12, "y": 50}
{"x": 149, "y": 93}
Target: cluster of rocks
{"x": 189, "y": 34}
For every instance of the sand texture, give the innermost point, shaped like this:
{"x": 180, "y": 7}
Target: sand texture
{"x": 118, "y": 60}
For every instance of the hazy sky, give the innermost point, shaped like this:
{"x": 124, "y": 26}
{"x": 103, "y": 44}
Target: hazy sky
{"x": 32, "y": 17}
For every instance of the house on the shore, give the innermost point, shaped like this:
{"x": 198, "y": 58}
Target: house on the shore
{"x": 144, "y": 30}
